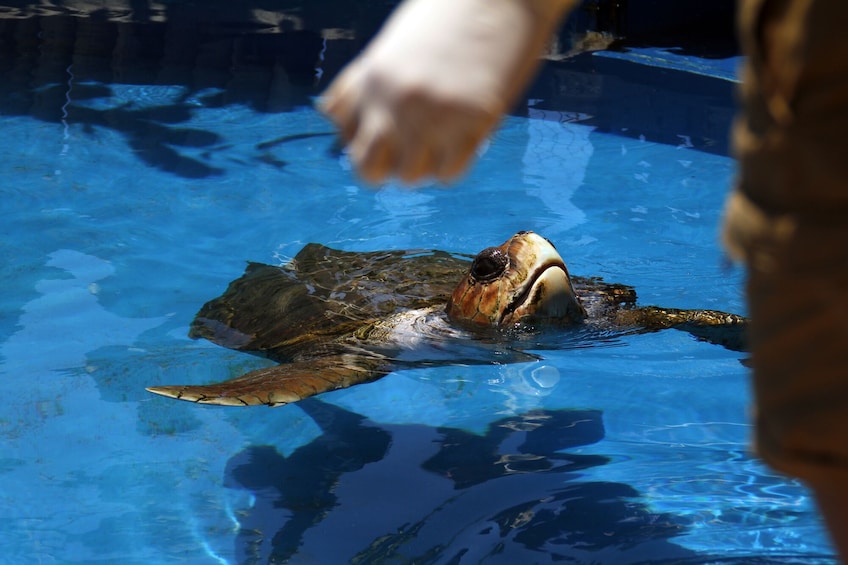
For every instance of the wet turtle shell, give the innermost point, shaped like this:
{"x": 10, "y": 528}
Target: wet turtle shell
{"x": 321, "y": 294}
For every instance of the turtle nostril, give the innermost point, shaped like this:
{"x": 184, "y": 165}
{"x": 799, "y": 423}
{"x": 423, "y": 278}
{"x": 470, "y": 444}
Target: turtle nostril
{"x": 489, "y": 264}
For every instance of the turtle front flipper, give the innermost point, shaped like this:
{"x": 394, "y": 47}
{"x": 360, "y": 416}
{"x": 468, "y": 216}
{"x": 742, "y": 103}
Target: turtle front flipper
{"x": 713, "y": 326}
{"x": 283, "y": 384}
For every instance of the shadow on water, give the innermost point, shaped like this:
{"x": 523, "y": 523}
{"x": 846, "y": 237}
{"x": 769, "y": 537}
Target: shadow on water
{"x": 59, "y": 63}
{"x": 444, "y": 495}
{"x": 62, "y": 64}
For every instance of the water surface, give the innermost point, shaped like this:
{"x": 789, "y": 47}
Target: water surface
{"x": 129, "y": 202}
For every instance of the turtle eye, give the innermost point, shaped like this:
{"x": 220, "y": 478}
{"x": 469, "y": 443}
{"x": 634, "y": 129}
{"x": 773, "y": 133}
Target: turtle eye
{"x": 489, "y": 264}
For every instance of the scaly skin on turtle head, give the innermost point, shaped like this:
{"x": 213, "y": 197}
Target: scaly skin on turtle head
{"x": 523, "y": 281}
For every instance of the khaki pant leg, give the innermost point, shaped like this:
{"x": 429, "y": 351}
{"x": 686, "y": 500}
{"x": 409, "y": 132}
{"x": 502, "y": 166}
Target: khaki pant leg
{"x": 788, "y": 220}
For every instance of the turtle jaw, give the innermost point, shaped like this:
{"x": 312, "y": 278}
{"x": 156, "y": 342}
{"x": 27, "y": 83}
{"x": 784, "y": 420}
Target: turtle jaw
{"x": 547, "y": 298}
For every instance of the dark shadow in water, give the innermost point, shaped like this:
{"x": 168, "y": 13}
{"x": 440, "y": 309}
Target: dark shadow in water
{"x": 510, "y": 495}
{"x": 626, "y": 99}
{"x": 305, "y": 481}
{"x": 469, "y": 459}
{"x": 58, "y": 63}
{"x": 61, "y": 69}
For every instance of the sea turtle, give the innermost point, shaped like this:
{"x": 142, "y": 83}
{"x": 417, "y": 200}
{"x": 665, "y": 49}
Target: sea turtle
{"x": 333, "y": 319}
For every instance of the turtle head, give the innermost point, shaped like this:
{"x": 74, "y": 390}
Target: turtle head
{"x": 522, "y": 281}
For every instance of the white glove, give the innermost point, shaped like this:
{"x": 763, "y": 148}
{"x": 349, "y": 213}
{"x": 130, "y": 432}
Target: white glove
{"x": 435, "y": 81}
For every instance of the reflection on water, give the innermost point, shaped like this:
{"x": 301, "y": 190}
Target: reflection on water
{"x": 363, "y": 493}
{"x": 146, "y": 80}
{"x": 554, "y": 164}
{"x": 50, "y": 335}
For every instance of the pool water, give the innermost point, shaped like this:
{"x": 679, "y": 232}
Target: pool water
{"x": 128, "y": 205}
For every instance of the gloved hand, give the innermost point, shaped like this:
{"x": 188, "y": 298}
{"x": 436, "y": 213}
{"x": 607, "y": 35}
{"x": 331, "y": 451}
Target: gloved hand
{"x": 435, "y": 81}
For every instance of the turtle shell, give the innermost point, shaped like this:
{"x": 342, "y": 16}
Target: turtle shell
{"x": 323, "y": 293}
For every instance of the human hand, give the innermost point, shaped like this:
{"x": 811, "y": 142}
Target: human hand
{"x": 434, "y": 83}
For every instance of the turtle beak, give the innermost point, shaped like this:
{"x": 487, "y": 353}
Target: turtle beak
{"x": 548, "y": 297}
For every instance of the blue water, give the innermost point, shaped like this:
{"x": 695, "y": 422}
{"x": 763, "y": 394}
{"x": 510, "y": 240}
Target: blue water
{"x": 127, "y": 206}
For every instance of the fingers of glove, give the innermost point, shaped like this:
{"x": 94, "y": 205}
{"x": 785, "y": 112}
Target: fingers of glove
{"x": 373, "y": 149}
{"x": 438, "y": 139}
{"x": 459, "y": 144}
{"x": 455, "y": 162}
{"x": 413, "y": 136}
{"x": 415, "y": 163}
{"x": 418, "y": 139}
